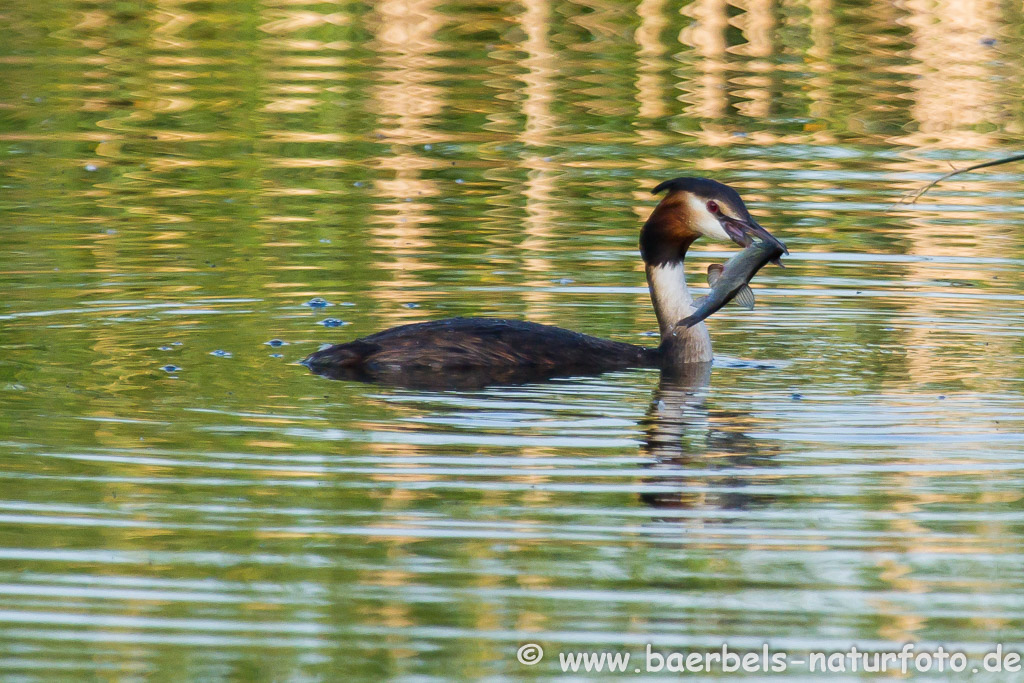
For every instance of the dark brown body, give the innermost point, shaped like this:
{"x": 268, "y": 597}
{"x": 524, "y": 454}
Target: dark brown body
{"x": 476, "y": 351}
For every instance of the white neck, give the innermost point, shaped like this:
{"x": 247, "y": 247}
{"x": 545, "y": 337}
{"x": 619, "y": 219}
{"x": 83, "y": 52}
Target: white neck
{"x": 673, "y": 302}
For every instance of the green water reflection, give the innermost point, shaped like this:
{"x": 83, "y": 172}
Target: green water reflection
{"x": 180, "y": 178}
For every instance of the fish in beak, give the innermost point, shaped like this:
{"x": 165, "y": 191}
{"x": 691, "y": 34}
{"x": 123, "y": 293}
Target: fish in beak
{"x": 743, "y": 231}
{"x": 730, "y": 282}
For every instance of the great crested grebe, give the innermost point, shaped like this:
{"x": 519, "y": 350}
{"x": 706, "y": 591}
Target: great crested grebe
{"x": 693, "y": 207}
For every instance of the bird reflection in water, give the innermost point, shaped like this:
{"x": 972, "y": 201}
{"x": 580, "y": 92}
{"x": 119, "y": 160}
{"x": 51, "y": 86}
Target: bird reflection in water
{"x": 451, "y": 379}
{"x": 685, "y": 442}
{"x": 682, "y": 438}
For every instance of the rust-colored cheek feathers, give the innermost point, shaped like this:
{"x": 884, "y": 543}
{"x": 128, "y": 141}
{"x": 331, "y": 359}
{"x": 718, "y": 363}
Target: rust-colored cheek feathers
{"x": 669, "y": 232}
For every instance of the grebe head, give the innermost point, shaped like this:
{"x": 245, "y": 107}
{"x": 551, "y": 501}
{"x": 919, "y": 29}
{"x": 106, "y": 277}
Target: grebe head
{"x": 696, "y": 207}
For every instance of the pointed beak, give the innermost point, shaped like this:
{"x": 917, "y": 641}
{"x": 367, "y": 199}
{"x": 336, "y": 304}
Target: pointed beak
{"x": 744, "y": 231}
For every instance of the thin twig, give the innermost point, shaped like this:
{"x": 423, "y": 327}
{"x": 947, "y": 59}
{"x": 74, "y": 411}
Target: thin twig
{"x": 995, "y": 162}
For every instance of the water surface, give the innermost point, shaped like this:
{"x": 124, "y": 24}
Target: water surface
{"x": 179, "y": 500}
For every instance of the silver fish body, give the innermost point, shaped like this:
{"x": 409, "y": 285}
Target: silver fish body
{"x": 730, "y": 281}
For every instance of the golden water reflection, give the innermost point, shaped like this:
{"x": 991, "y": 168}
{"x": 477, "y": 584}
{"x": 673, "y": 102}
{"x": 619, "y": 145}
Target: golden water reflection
{"x": 181, "y": 179}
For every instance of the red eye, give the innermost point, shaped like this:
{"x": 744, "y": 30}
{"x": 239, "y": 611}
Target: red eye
{"x": 713, "y": 206}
